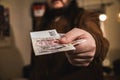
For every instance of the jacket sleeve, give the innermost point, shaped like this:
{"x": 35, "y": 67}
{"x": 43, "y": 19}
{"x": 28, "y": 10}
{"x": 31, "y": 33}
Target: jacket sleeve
{"x": 89, "y": 21}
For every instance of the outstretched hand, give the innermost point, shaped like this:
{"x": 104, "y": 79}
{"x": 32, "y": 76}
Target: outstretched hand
{"x": 85, "y": 51}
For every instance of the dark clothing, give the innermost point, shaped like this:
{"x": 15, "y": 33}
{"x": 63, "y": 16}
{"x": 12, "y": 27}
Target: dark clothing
{"x": 56, "y": 66}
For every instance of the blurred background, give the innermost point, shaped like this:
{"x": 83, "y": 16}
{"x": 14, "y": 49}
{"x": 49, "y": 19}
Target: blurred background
{"x": 15, "y": 44}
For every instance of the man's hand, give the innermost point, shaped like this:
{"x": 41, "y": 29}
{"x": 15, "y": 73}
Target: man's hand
{"x": 85, "y": 51}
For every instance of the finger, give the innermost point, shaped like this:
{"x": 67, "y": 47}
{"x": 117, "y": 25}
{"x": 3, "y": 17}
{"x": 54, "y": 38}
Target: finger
{"x": 81, "y": 62}
{"x": 82, "y": 56}
{"x": 78, "y": 60}
{"x": 87, "y": 46}
{"x": 72, "y": 35}
{"x": 81, "y": 65}
{"x": 78, "y": 42}
{"x": 88, "y": 55}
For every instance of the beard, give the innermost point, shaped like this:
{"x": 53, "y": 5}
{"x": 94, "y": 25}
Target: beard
{"x": 53, "y": 12}
{"x": 59, "y": 11}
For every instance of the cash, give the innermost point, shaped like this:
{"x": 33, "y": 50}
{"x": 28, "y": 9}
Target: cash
{"x": 47, "y": 42}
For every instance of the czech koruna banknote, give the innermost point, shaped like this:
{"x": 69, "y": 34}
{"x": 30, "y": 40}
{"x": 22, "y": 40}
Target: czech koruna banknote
{"x": 47, "y": 42}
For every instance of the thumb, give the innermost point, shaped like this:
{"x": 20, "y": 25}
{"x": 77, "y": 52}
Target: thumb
{"x": 71, "y": 35}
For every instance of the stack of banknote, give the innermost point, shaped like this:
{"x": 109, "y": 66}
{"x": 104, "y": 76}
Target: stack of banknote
{"x": 47, "y": 42}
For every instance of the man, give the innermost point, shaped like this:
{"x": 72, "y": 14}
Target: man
{"x": 85, "y": 63}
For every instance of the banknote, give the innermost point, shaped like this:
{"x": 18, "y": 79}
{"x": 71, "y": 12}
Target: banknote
{"x": 47, "y": 42}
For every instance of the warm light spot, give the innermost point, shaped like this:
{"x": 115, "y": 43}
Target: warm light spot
{"x": 102, "y": 17}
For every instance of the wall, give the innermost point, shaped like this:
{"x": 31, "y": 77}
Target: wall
{"x": 112, "y": 31}
{"x": 15, "y": 56}
{"x": 111, "y": 26}
{"x": 11, "y": 63}
{"x": 20, "y": 20}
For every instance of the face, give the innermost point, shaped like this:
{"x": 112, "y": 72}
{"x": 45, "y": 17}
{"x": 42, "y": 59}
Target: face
{"x": 56, "y": 4}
